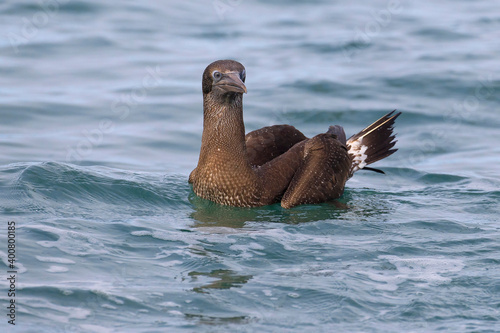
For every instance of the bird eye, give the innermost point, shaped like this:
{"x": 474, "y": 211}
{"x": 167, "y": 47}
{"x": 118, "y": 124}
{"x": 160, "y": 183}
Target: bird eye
{"x": 243, "y": 75}
{"x": 217, "y": 75}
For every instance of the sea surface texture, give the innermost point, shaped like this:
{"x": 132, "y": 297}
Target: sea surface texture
{"x": 100, "y": 126}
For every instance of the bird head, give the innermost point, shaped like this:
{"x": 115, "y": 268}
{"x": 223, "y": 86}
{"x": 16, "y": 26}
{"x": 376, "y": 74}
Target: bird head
{"x": 224, "y": 77}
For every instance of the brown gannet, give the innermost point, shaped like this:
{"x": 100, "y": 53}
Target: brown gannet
{"x": 275, "y": 163}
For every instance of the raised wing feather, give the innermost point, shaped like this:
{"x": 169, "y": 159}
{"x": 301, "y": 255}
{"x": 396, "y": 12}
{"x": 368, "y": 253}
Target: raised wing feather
{"x": 267, "y": 143}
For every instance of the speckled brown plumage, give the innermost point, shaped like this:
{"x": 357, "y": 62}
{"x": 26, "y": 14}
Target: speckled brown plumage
{"x": 276, "y": 163}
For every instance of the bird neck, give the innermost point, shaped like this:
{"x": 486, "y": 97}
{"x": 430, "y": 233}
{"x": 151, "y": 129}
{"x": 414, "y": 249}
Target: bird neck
{"x": 223, "y": 138}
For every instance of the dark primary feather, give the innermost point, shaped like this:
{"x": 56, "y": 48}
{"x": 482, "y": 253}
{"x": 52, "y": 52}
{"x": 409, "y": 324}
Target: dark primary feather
{"x": 374, "y": 170}
{"x": 378, "y": 139}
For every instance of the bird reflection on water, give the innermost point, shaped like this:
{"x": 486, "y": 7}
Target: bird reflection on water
{"x": 225, "y": 279}
{"x": 209, "y": 214}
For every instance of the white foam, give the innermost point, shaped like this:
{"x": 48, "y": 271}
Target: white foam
{"x": 289, "y": 271}
{"x": 70, "y": 242}
{"x": 176, "y": 313}
{"x": 420, "y": 270}
{"x": 256, "y": 246}
{"x": 170, "y": 304}
{"x": 170, "y": 263}
{"x": 132, "y": 298}
{"x": 245, "y": 253}
{"x": 426, "y": 269}
{"x": 267, "y": 292}
{"x": 55, "y": 260}
{"x": 141, "y": 233}
{"x": 218, "y": 230}
{"x": 96, "y": 328}
{"x": 58, "y": 313}
{"x": 57, "y": 269}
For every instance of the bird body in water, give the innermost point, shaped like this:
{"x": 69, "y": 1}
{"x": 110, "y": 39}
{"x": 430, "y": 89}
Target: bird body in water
{"x": 276, "y": 163}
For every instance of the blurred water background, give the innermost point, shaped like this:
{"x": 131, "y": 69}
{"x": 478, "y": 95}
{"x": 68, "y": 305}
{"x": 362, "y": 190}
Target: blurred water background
{"x": 100, "y": 125}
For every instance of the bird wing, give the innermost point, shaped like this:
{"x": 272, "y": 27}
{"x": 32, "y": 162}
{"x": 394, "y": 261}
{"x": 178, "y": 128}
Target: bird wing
{"x": 267, "y": 143}
{"x": 276, "y": 175}
{"x": 373, "y": 143}
{"x": 322, "y": 174}
{"x": 312, "y": 171}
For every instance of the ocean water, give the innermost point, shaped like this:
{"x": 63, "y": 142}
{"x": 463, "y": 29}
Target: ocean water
{"x": 100, "y": 126}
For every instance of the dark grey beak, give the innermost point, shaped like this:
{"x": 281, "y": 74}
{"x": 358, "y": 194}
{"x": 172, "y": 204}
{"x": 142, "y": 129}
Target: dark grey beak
{"x": 231, "y": 82}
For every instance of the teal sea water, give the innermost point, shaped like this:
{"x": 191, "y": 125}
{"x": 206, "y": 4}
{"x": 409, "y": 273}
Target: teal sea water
{"x": 100, "y": 126}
